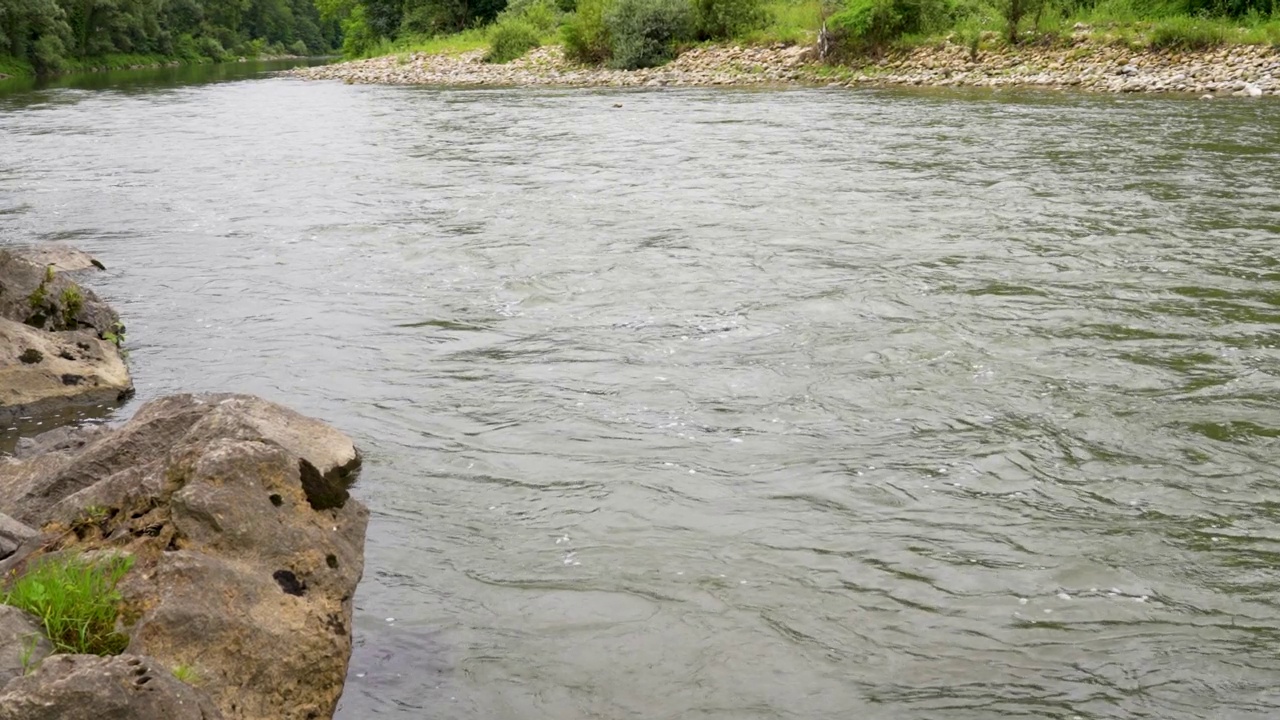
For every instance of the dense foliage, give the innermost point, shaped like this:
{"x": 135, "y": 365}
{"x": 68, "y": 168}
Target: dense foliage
{"x": 53, "y": 35}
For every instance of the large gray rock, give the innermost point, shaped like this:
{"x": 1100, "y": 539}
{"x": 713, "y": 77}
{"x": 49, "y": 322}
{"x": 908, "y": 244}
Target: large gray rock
{"x": 35, "y": 293}
{"x": 12, "y": 535}
{"x": 58, "y": 340}
{"x": 43, "y": 372}
{"x": 248, "y": 546}
{"x": 22, "y": 643}
{"x": 63, "y": 258}
{"x": 88, "y": 687}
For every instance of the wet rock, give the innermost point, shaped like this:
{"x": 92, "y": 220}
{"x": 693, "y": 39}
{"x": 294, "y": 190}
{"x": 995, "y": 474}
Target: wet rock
{"x": 88, "y": 687}
{"x": 71, "y": 437}
{"x": 22, "y": 643}
{"x": 248, "y": 546}
{"x": 46, "y": 371}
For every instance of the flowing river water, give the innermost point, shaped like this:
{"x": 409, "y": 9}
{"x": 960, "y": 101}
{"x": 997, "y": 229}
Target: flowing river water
{"x": 804, "y": 404}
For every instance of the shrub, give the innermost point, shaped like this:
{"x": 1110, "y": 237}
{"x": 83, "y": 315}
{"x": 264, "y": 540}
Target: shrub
{"x": 586, "y": 37}
{"x": 210, "y": 48}
{"x": 724, "y": 19}
{"x": 357, "y": 37}
{"x": 76, "y": 599}
{"x": 1186, "y": 33}
{"x": 544, "y": 15}
{"x": 1014, "y": 11}
{"x": 47, "y": 54}
{"x": 511, "y": 39}
{"x": 870, "y": 24}
{"x": 298, "y": 48}
{"x": 644, "y": 33}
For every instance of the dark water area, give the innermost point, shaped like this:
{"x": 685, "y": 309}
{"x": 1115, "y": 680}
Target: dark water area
{"x": 793, "y": 404}
{"x": 154, "y": 77}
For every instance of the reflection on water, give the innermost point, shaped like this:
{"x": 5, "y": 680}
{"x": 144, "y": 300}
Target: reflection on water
{"x": 801, "y": 404}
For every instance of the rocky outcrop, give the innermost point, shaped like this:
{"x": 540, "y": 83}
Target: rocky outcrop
{"x": 58, "y": 340}
{"x": 247, "y": 545}
{"x": 45, "y": 371}
{"x": 88, "y": 687}
{"x": 22, "y": 643}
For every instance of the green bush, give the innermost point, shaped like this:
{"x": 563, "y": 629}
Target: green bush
{"x": 77, "y": 601}
{"x": 1186, "y": 33}
{"x": 644, "y": 33}
{"x": 724, "y": 19}
{"x": 510, "y": 39}
{"x": 299, "y": 48}
{"x": 210, "y": 48}
{"x": 357, "y": 37}
{"x": 585, "y": 34}
{"x": 545, "y": 15}
{"x": 863, "y": 25}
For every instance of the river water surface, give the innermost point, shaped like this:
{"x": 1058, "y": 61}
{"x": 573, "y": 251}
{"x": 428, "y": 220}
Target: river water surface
{"x": 804, "y": 404}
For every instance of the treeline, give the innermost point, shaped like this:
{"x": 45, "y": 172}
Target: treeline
{"x": 56, "y": 35}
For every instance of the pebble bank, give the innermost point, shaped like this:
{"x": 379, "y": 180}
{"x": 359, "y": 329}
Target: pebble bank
{"x": 1083, "y": 64}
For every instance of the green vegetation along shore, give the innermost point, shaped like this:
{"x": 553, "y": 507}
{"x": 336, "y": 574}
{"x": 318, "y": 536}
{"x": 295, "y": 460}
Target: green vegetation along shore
{"x": 1228, "y": 47}
{"x": 42, "y": 37}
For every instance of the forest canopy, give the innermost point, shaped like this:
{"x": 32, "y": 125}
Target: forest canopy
{"x": 55, "y": 35}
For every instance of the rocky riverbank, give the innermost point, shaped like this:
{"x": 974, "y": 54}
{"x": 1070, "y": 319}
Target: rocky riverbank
{"x": 59, "y": 343}
{"x": 230, "y": 515}
{"x": 1081, "y": 63}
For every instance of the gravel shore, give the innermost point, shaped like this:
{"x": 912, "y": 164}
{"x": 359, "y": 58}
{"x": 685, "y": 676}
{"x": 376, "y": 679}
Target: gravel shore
{"x": 1244, "y": 71}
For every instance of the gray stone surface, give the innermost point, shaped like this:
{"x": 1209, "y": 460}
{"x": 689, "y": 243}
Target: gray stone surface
{"x": 88, "y": 687}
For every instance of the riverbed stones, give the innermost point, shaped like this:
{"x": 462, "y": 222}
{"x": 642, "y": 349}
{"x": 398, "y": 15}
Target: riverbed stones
{"x": 55, "y": 347}
{"x": 88, "y": 687}
{"x": 247, "y": 545}
{"x": 22, "y": 643}
{"x": 1084, "y": 62}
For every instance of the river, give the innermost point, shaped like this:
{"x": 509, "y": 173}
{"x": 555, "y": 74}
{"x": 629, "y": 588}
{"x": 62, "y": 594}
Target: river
{"x": 804, "y": 404}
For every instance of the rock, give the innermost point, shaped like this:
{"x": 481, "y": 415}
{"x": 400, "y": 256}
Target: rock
{"x": 22, "y": 643}
{"x": 35, "y": 293}
{"x": 88, "y": 687}
{"x": 248, "y": 547}
{"x": 63, "y": 258}
{"x": 46, "y": 371}
{"x": 12, "y": 535}
{"x": 1252, "y": 90}
{"x": 71, "y": 437}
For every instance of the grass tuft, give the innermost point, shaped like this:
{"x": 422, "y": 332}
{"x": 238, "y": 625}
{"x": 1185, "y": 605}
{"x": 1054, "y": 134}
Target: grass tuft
{"x": 77, "y": 601}
{"x": 186, "y": 674}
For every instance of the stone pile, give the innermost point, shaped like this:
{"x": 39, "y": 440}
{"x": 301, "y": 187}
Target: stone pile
{"x": 1081, "y": 63}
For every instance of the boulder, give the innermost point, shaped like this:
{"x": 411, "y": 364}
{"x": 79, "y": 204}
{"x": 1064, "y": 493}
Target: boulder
{"x": 43, "y": 372}
{"x": 22, "y": 643}
{"x": 63, "y": 258}
{"x": 58, "y": 341}
{"x": 12, "y": 535}
{"x": 33, "y": 292}
{"x": 248, "y": 547}
{"x": 71, "y": 437}
{"x": 88, "y": 687}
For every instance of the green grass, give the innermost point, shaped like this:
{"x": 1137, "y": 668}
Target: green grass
{"x": 14, "y": 67}
{"x": 76, "y": 600}
{"x": 186, "y": 674}
{"x": 456, "y": 44}
{"x": 791, "y": 22}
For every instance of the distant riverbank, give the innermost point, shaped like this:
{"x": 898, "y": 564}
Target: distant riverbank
{"x": 1242, "y": 70}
